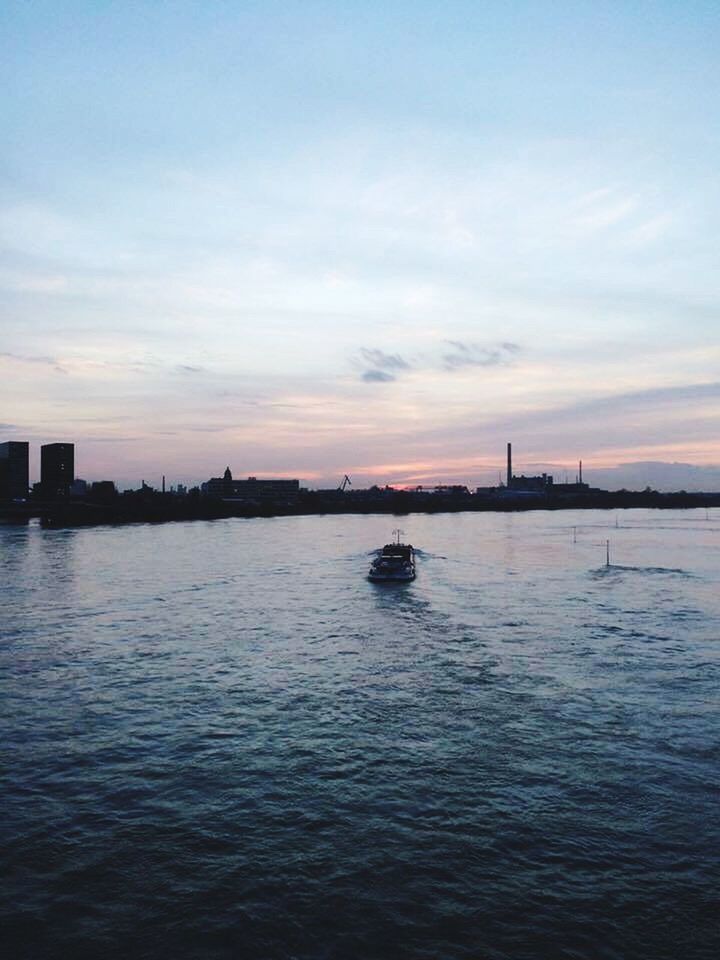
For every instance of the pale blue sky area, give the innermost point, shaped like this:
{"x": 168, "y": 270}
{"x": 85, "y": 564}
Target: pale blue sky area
{"x": 310, "y": 238}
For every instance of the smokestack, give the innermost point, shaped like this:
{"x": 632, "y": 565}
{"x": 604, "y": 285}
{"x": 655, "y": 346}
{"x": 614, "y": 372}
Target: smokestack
{"x": 581, "y": 471}
{"x": 509, "y": 465}
{"x": 163, "y": 483}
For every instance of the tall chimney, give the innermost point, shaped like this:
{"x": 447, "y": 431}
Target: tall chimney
{"x": 581, "y": 471}
{"x": 509, "y": 465}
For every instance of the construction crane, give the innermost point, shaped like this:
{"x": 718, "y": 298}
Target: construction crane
{"x": 345, "y": 481}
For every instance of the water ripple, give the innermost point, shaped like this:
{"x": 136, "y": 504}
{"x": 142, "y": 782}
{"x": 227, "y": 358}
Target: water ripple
{"x": 219, "y": 740}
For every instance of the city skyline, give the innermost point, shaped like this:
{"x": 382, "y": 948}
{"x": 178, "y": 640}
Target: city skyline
{"x": 489, "y": 471}
{"x": 375, "y": 240}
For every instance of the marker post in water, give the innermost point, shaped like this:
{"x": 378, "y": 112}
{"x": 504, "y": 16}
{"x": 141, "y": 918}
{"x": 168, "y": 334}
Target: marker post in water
{"x": 607, "y": 553}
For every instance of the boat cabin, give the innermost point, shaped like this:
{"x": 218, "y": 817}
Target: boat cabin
{"x": 400, "y": 550}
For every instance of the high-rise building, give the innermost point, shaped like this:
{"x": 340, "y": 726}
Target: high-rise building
{"x": 57, "y": 468}
{"x": 14, "y": 472}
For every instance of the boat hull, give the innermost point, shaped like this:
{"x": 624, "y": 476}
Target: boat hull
{"x": 377, "y": 577}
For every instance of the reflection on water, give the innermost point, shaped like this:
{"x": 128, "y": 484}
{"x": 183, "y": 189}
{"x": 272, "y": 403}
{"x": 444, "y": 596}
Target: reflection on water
{"x": 221, "y": 740}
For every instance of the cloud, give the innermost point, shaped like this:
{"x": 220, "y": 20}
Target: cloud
{"x": 208, "y": 429}
{"x": 47, "y": 361}
{"x": 377, "y": 376}
{"x": 473, "y": 355}
{"x": 187, "y": 368}
{"x": 111, "y": 439}
{"x": 609, "y": 214}
{"x": 384, "y": 361}
{"x": 659, "y": 423}
{"x": 659, "y": 475}
{"x": 381, "y": 363}
{"x": 384, "y": 367}
{"x": 73, "y": 365}
{"x": 641, "y": 399}
{"x": 650, "y": 230}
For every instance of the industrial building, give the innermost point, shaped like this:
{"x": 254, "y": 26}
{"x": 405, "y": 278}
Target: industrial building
{"x": 542, "y": 485}
{"x": 538, "y": 484}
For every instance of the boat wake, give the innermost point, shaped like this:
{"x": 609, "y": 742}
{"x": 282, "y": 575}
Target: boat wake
{"x": 616, "y": 569}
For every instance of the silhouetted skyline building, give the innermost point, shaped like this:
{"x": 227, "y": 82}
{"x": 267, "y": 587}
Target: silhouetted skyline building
{"x": 540, "y": 482}
{"x": 14, "y": 469}
{"x": 57, "y": 469}
{"x": 103, "y": 491}
{"x": 251, "y": 489}
{"x": 523, "y": 484}
{"x": 79, "y": 487}
{"x": 227, "y": 483}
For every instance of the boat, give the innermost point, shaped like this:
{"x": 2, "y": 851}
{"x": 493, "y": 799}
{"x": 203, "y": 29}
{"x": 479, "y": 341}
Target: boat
{"x": 396, "y": 561}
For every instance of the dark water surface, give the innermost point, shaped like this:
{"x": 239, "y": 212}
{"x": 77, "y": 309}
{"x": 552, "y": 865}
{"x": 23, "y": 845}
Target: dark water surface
{"x": 220, "y": 740}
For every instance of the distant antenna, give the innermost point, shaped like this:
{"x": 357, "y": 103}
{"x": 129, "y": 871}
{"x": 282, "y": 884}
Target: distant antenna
{"x": 396, "y": 533}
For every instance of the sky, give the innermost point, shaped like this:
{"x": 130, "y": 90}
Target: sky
{"x": 306, "y": 239}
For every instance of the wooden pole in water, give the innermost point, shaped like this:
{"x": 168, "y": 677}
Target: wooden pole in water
{"x": 574, "y": 534}
{"x": 607, "y": 553}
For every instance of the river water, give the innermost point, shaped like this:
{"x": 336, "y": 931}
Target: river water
{"x": 219, "y": 740}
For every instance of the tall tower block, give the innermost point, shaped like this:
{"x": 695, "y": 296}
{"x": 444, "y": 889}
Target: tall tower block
{"x": 57, "y": 469}
{"x": 14, "y": 475}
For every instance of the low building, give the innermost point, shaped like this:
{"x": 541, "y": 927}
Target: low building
{"x": 103, "y": 491}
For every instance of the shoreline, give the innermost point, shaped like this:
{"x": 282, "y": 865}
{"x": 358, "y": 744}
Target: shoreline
{"x": 166, "y": 508}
